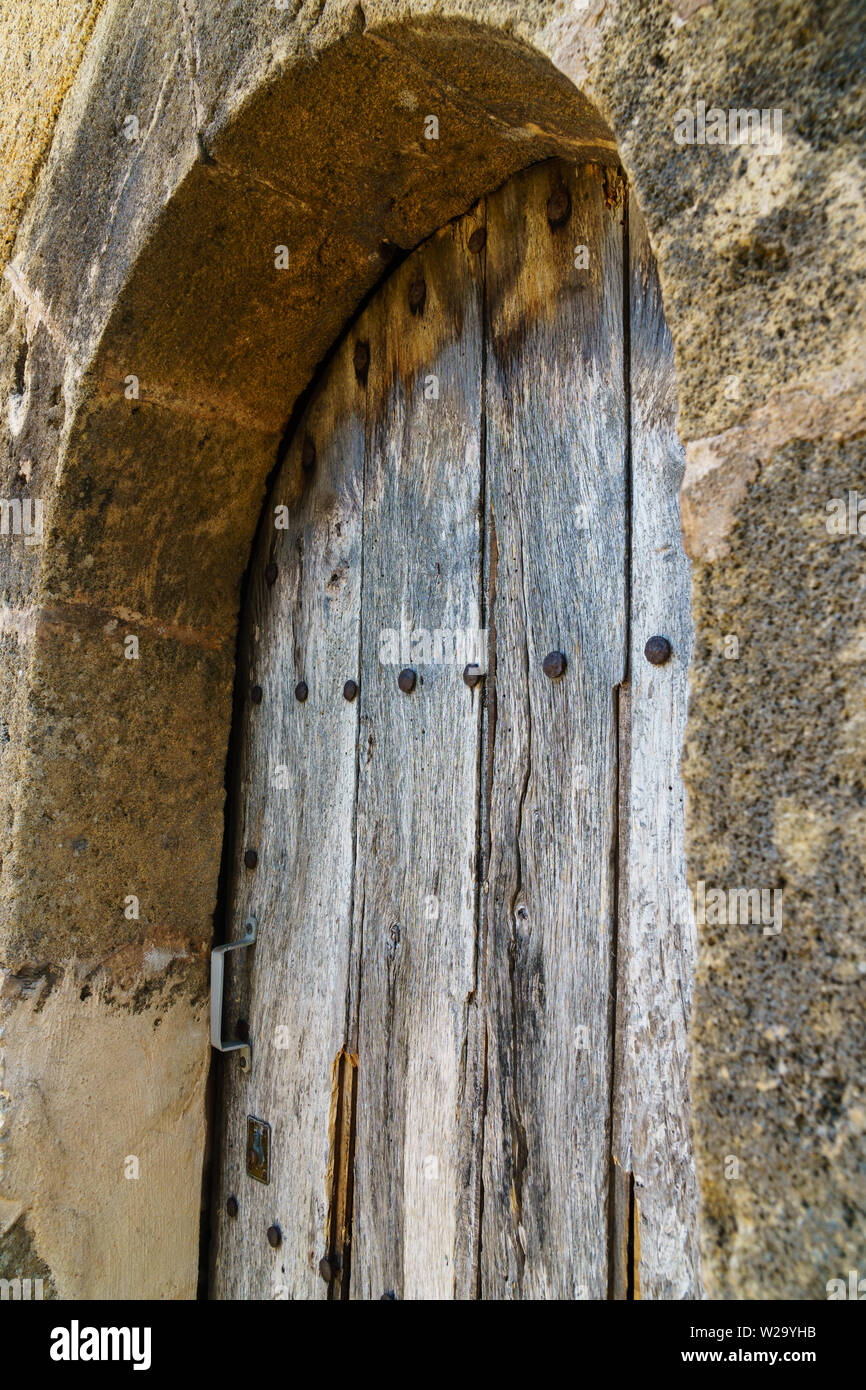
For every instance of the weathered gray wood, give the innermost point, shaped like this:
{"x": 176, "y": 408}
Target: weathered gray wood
{"x": 296, "y": 798}
{"x": 415, "y": 885}
{"x": 442, "y": 875}
{"x": 555, "y": 417}
{"x": 656, "y": 944}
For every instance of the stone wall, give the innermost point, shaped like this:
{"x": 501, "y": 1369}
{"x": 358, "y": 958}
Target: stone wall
{"x": 193, "y": 137}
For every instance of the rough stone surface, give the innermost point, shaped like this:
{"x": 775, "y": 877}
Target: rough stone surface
{"x": 760, "y": 253}
{"x": 154, "y": 257}
{"x": 41, "y": 46}
{"x": 107, "y": 1105}
{"x": 778, "y": 804}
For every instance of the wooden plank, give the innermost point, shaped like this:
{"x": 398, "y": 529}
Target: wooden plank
{"x": 415, "y": 887}
{"x": 657, "y": 943}
{"x": 296, "y": 799}
{"x": 555, "y": 421}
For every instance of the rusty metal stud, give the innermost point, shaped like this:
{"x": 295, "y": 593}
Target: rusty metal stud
{"x": 658, "y": 650}
{"x": 554, "y": 665}
{"x": 473, "y": 675}
{"x": 559, "y": 206}
{"x": 251, "y": 859}
{"x": 361, "y": 361}
{"x": 301, "y": 691}
{"x": 325, "y": 1269}
{"x": 275, "y": 1237}
{"x": 406, "y": 680}
{"x": 256, "y": 694}
{"x": 270, "y": 572}
{"x": 477, "y": 240}
{"x": 308, "y": 455}
{"x": 232, "y": 1206}
{"x": 350, "y": 690}
{"x": 417, "y": 295}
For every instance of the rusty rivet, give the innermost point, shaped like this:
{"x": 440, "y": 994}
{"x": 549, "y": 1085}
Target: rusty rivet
{"x": 270, "y": 572}
{"x": 361, "y": 361}
{"x": 275, "y": 1236}
{"x": 308, "y": 455}
{"x": 477, "y": 240}
{"x": 417, "y": 295}
{"x": 658, "y": 650}
{"x": 559, "y": 206}
{"x": 350, "y": 690}
{"x": 232, "y": 1206}
{"x": 554, "y": 665}
{"x": 251, "y": 859}
{"x": 473, "y": 675}
{"x": 325, "y": 1269}
{"x": 301, "y": 691}
{"x": 406, "y": 680}
{"x": 256, "y": 694}
{"x": 242, "y": 1030}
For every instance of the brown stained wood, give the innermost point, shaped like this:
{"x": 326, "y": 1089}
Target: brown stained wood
{"x": 415, "y": 886}
{"x": 621, "y": 1225}
{"x": 337, "y": 1262}
{"x": 657, "y": 945}
{"x": 555, "y": 421}
{"x": 296, "y": 800}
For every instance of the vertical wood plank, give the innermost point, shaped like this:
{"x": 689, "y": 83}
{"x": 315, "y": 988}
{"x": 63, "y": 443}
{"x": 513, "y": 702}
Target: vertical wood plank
{"x": 657, "y": 946}
{"x": 555, "y": 421}
{"x": 415, "y": 888}
{"x": 296, "y": 798}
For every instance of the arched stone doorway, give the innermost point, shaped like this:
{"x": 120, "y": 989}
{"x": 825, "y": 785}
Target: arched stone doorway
{"x": 153, "y": 259}
{"x": 181, "y": 351}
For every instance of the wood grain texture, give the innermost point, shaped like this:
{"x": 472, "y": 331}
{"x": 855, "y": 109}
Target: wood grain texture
{"x": 415, "y": 886}
{"x": 555, "y": 415}
{"x": 474, "y": 934}
{"x": 296, "y": 796}
{"x": 657, "y": 944}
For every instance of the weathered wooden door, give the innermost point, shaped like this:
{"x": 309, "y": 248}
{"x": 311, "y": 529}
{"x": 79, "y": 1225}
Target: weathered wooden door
{"x": 458, "y": 813}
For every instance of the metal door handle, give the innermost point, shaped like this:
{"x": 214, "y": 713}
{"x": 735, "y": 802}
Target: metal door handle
{"x": 217, "y": 979}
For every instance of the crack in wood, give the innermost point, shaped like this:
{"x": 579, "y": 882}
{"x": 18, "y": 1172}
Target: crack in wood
{"x": 341, "y": 1175}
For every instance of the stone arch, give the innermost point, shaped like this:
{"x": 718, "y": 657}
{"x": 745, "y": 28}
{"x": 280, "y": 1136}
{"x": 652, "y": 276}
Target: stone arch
{"x": 115, "y": 766}
{"x": 184, "y": 404}
{"x": 184, "y": 382}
